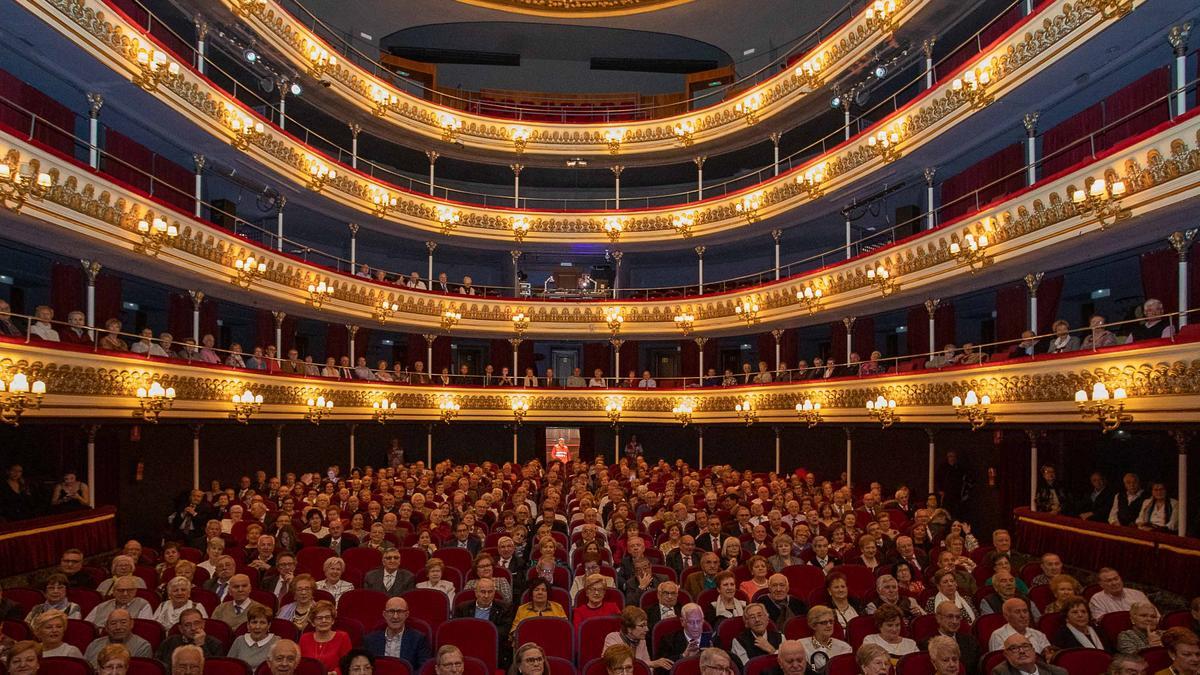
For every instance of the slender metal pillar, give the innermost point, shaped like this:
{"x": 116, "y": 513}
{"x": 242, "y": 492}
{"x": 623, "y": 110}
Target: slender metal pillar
{"x": 1178, "y": 37}
{"x": 201, "y": 44}
{"x": 849, "y": 323}
{"x": 777, "y": 235}
{"x": 1033, "y": 468}
{"x": 616, "y": 170}
{"x": 1031, "y": 159}
{"x": 353, "y": 245}
{"x": 932, "y": 457}
{"x": 91, "y": 462}
{"x": 848, "y": 255}
{"x": 700, "y": 341}
{"x": 198, "y": 187}
{"x": 777, "y": 333}
{"x": 95, "y": 103}
{"x": 431, "y": 246}
{"x": 279, "y": 222}
{"x": 351, "y": 331}
{"x": 931, "y": 307}
{"x": 700, "y": 267}
{"x": 1182, "y": 243}
{"x": 279, "y": 450}
{"x": 91, "y": 269}
{"x": 699, "y": 162}
{"x": 355, "y": 130}
{"x": 778, "y": 431}
{"x": 700, "y": 444}
{"x": 930, "y": 199}
{"x": 775, "y": 138}
{"x": 428, "y": 445}
{"x": 353, "y": 429}
{"x": 196, "y": 456}
{"x": 1032, "y": 281}
{"x": 1181, "y": 445}
{"x": 849, "y": 457}
{"x": 927, "y": 48}
{"x": 429, "y": 339}
{"x": 516, "y": 169}
{"x": 197, "y": 300}
{"x": 433, "y": 158}
{"x": 516, "y": 269}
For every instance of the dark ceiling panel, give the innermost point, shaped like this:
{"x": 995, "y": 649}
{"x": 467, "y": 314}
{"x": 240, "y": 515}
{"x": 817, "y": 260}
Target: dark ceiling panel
{"x": 680, "y": 66}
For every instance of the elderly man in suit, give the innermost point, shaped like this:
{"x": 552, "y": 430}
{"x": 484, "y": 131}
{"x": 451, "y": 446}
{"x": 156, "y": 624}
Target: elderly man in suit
{"x": 395, "y": 640}
{"x": 233, "y": 610}
{"x": 668, "y": 604}
{"x": 1020, "y": 658}
{"x": 949, "y": 620}
{"x": 389, "y": 578}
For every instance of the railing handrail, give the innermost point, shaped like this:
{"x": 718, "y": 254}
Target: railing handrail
{"x": 763, "y": 276}
{"x": 825, "y": 371}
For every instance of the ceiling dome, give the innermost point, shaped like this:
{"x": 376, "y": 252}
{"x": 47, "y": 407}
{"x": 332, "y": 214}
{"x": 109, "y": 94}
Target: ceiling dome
{"x": 576, "y": 8}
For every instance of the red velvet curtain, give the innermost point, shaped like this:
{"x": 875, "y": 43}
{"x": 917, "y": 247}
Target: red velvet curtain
{"x": 500, "y": 354}
{"x": 66, "y": 289}
{"x": 126, "y": 160}
{"x": 362, "y": 342}
{"x": 416, "y": 350}
{"x": 208, "y": 319}
{"x": 1160, "y": 277}
{"x": 108, "y": 299}
{"x": 442, "y": 355}
{"x": 1132, "y": 101}
{"x": 990, "y": 34}
{"x": 837, "y": 341}
{"x": 789, "y": 347}
{"x": 175, "y": 184}
{"x": 712, "y": 352}
{"x": 1049, "y": 294}
{"x": 917, "y": 335}
{"x": 597, "y": 355}
{"x": 864, "y": 337}
{"x": 945, "y": 327}
{"x": 629, "y": 358}
{"x": 987, "y": 177}
{"x": 766, "y": 350}
{"x": 265, "y": 330}
{"x": 525, "y": 356}
{"x": 1012, "y": 311}
{"x": 1055, "y": 141}
{"x": 337, "y": 341}
{"x": 689, "y": 358}
{"x": 179, "y": 316}
{"x": 137, "y": 13}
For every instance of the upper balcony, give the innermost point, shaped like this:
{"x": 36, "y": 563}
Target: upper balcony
{"x": 1009, "y": 61}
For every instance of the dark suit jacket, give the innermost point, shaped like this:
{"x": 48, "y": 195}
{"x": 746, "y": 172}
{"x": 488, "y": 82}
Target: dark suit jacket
{"x": 347, "y": 541}
{"x": 1065, "y": 639}
{"x": 676, "y": 561}
{"x": 414, "y": 647}
{"x": 673, "y": 645}
{"x": 212, "y": 647}
{"x": 709, "y": 542}
{"x": 473, "y": 545}
{"x": 1098, "y": 507}
{"x": 405, "y": 581}
{"x": 793, "y": 607}
{"x": 1043, "y": 668}
{"x": 968, "y": 649}
{"x": 654, "y": 614}
{"x": 501, "y": 616}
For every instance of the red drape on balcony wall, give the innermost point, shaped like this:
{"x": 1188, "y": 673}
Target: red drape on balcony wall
{"x": 766, "y": 350}
{"x": 56, "y": 124}
{"x": 837, "y": 341}
{"x": 1057, "y": 142}
{"x": 499, "y": 354}
{"x": 789, "y": 347}
{"x": 689, "y": 358}
{"x": 597, "y": 355}
{"x": 442, "y": 354}
{"x": 1049, "y": 295}
{"x": 864, "y": 336}
{"x": 264, "y": 323}
{"x": 629, "y": 358}
{"x": 945, "y": 328}
{"x": 712, "y": 354}
{"x": 179, "y": 316}
{"x": 416, "y": 350}
{"x": 987, "y": 179}
{"x": 108, "y": 299}
{"x": 175, "y": 184}
{"x": 127, "y": 160}
{"x": 525, "y": 357}
{"x": 1012, "y": 311}
{"x": 66, "y": 290}
{"x": 1160, "y": 277}
{"x": 917, "y": 337}
{"x": 1137, "y": 107}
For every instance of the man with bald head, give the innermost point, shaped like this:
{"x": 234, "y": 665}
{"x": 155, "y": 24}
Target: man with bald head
{"x": 233, "y": 610}
{"x": 1020, "y": 658}
{"x": 118, "y": 631}
{"x": 1016, "y": 613}
{"x": 283, "y": 658}
{"x": 395, "y": 640}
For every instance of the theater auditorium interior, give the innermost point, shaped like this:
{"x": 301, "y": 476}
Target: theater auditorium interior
{"x": 599, "y": 337}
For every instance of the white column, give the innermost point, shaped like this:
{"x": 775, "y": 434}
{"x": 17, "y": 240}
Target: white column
{"x": 700, "y": 341}
{"x": 778, "y": 431}
{"x": 353, "y": 246}
{"x": 848, "y": 322}
{"x": 927, "y": 47}
{"x": 1178, "y": 37}
{"x": 617, "y": 256}
{"x": 700, "y": 267}
{"x": 95, "y": 102}
{"x": 431, "y": 246}
{"x": 616, "y": 170}
{"x": 931, "y": 307}
{"x": 1182, "y": 243}
{"x": 355, "y": 130}
{"x": 1030, "y": 121}
{"x": 279, "y": 317}
{"x": 351, "y": 331}
{"x": 516, "y": 169}
{"x": 1033, "y": 468}
{"x": 777, "y": 333}
{"x": 279, "y": 450}
{"x": 1181, "y": 441}
{"x": 775, "y": 138}
{"x": 428, "y": 445}
{"x": 198, "y": 187}
{"x": 353, "y": 428}
{"x": 700, "y": 444}
{"x": 846, "y": 108}
{"x": 91, "y": 463}
{"x": 196, "y": 456}
{"x": 516, "y": 343}
{"x": 433, "y": 158}
{"x": 91, "y": 269}
{"x": 847, "y": 239}
{"x": 279, "y": 222}
{"x": 849, "y": 457}
{"x": 699, "y": 162}
{"x": 201, "y": 45}
{"x": 1032, "y": 281}
{"x": 931, "y": 206}
{"x": 777, "y": 235}
{"x": 616, "y": 343}
{"x": 197, "y": 300}
{"x": 514, "y": 445}
{"x": 283, "y": 89}
{"x": 932, "y": 458}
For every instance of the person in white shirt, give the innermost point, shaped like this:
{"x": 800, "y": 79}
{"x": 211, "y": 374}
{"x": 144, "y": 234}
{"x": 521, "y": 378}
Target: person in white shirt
{"x": 1113, "y": 597}
{"x": 215, "y": 549}
{"x": 333, "y": 581}
{"x": 414, "y": 282}
{"x": 1160, "y": 512}
{"x": 178, "y": 599}
{"x": 597, "y": 379}
{"x": 41, "y": 327}
{"x": 647, "y": 382}
{"x": 821, "y": 621}
{"x": 163, "y": 346}
{"x": 124, "y": 597}
{"x": 889, "y": 621}
{"x": 1016, "y": 613}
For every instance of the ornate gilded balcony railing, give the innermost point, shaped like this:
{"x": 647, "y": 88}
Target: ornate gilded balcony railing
{"x": 290, "y": 37}
{"x": 1162, "y": 385}
{"x": 1157, "y": 170}
{"x": 1026, "y": 51}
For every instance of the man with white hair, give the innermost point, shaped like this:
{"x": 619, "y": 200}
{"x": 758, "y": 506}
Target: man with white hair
{"x": 689, "y": 641}
{"x": 1155, "y": 324}
{"x": 1016, "y": 613}
{"x": 284, "y": 658}
{"x": 187, "y": 660}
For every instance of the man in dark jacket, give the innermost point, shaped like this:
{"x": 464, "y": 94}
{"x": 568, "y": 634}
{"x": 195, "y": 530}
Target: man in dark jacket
{"x": 395, "y": 640}
{"x": 191, "y": 632}
{"x": 758, "y": 639}
{"x": 487, "y": 607}
{"x": 949, "y": 620}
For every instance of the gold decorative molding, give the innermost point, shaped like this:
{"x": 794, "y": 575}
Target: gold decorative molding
{"x": 1163, "y": 386}
{"x": 1160, "y": 170}
{"x": 1063, "y": 26}
{"x": 376, "y": 96}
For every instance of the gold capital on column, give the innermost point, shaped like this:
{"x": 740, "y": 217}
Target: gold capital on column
{"x": 699, "y": 251}
{"x": 353, "y": 330}
{"x": 199, "y": 161}
{"x": 516, "y": 168}
{"x": 196, "y": 431}
{"x": 433, "y": 156}
{"x": 353, "y": 229}
{"x": 849, "y": 322}
{"x": 1182, "y": 242}
{"x": 197, "y": 299}
{"x": 431, "y": 245}
{"x": 700, "y": 341}
{"x": 1182, "y": 438}
{"x": 617, "y": 255}
{"x": 429, "y": 339}
{"x": 1178, "y": 37}
{"x": 777, "y": 334}
{"x": 927, "y": 46}
{"x": 516, "y": 255}
{"x": 617, "y": 170}
{"x": 699, "y": 161}
{"x": 91, "y": 268}
{"x": 91, "y": 430}
{"x": 1030, "y": 121}
{"x": 355, "y": 129}
{"x": 616, "y": 343}
{"x": 202, "y": 27}
{"x": 776, "y": 136}
{"x": 929, "y": 172}
{"x": 515, "y": 341}
{"x": 931, "y": 306}
{"x": 1032, "y": 281}
{"x": 930, "y": 431}
{"x": 279, "y": 316}
{"x": 777, "y": 235}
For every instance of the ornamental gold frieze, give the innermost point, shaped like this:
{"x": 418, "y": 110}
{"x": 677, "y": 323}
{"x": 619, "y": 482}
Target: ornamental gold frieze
{"x": 1157, "y": 171}
{"x": 475, "y": 131}
{"x": 1161, "y": 383}
{"x": 1006, "y": 66}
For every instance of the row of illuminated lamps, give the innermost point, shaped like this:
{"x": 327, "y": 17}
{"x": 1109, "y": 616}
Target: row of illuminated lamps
{"x": 18, "y": 394}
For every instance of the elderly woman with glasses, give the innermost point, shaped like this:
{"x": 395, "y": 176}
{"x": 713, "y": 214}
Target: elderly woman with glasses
{"x": 821, "y": 621}
{"x": 634, "y": 627}
{"x": 529, "y": 659}
{"x": 324, "y": 643}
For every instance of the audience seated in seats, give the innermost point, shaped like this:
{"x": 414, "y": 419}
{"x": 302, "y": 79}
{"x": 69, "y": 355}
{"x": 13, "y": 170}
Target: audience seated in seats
{"x": 233, "y": 611}
{"x": 1159, "y": 513}
{"x": 539, "y": 604}
{"x": 389, "y": 578}
{"x": 50, "y": 629}
{"x": 949, "y": 626}
{"x": 821, "y": 622}
{"x": 178, "y": 600}
{"x": 947, "y": 591}
{"x": 1077, "y": 630}
{"x": 845, "y": 608}
{"x": 1098, "y": 337}
{"x": 1143, "y": 632}
{"x": 889, "y": 623}
{"x": 1183, "y": 646}
{"x": 434, "y": 569}
{"x": 122, "y": 566}
{"x": 667, "y": 605}
{"x": 42, "y": 328}
{"x": 255, "y": 645}
{"x": 634, "y": 629}
{"x": 1021, "y": 657}
{"x": 595, "y": 603}
{"x": 1113, "y": 596}
{"x": 687, "y": 643}
{"x": 727, "y": 604}
{"x": 1062, "y": 341}
{"x": 191, "y": 632}
{"x": 124, "y": 592}
{"x": 1154, "y": 326}
{"x": 324, "y": 643}
{"x": 396, "y": 640}
{"x": 118, "y": 630}
{"x": 758, "y": 638}
{"x": 1017, "y": 622}
{"x": 283, "y": 657}
{"x": 56, "y": 598}
{"x": 873, "y": 660}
